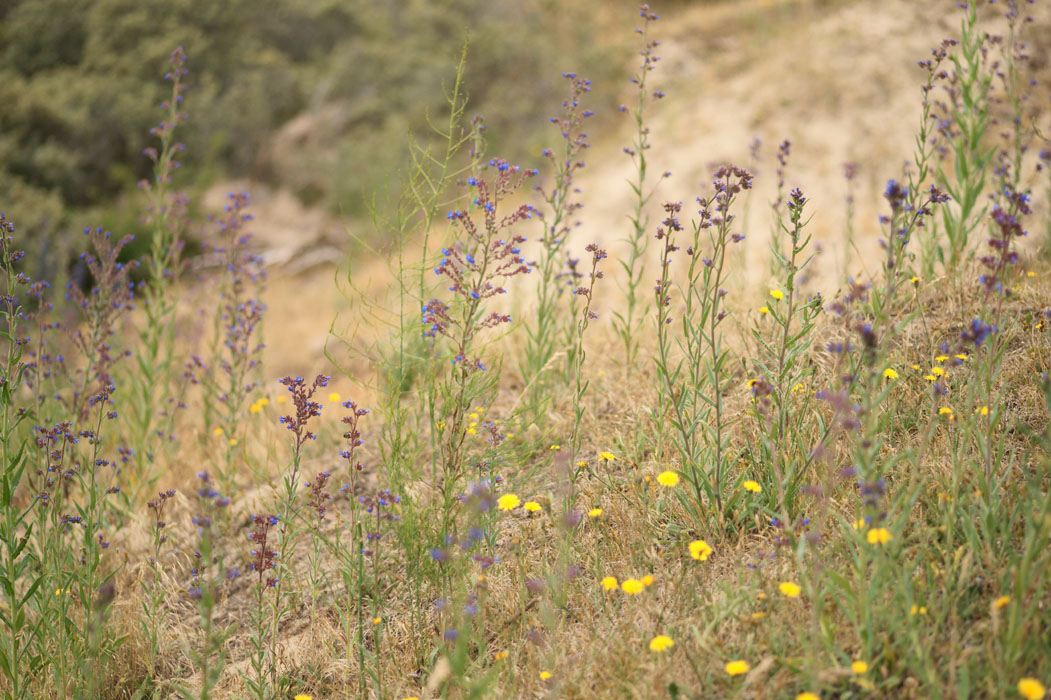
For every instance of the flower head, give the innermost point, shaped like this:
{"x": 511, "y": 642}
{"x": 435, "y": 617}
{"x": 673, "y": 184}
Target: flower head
{"x": 661, "y": 643}
{"x": 777, "y": 294}
{"x": 879, "y": 535}
{"x": 790, "y": 589}
{"x": 606, "y": 456}
{"x": 1002, "y": 601}
{"x": 736, "y": 668}
{"x": 532, "y": 506}
{"x": 594, "y": 512}
{"x": 808, "y": 696}
{"x": 890, "y": 373}
{"x": 508, "y": 501}
{"x": 609, "y": 583}
{"x": 1031, "y": 689}
{"x": 752, "y": 486}
{"x": 668, "y": 479}
{"x": 859, "y": 667}
{"x": 700, "y": 550}
{"x": 632, "y": 586}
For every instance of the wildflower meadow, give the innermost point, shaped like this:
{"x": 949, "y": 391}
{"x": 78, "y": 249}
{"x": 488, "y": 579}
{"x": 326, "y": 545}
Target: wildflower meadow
{"x": 738, "y": 436}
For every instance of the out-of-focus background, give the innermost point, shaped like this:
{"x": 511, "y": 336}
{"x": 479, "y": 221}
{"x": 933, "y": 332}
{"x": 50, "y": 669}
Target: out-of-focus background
{"x": 309, "y": 104}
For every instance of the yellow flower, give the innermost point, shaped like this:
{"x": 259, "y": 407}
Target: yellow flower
{"x": 777, "y": 294}
{"x": 532, "y": 506}
{"x": 764, "y": 310}
{"x": 808, "y": 696}
{"x": 648, "y": 580}
{"x": 1002, "y": 601}
{"x": 594, "y": 512}
{"x": 790, "y": 589}
{"x": 606, "y": 456}
{"x": 700, "y": 550}
{"x": 859, "y": 667}
{"x": 916, "y": 367}
{"x": 263, "y": 401}
{"x": 858, "y": 524}
{"x": 752, "y": 486}
{"x": 751, "y": 383}
{"x": 255, "y": 408}
{"x": 661, "y": 643}
{"x": 500, "y": 655}
{"x": 798, "y": 387}
{"x": 302, "y": 697}
{"x": 473, "y": 416}
{"x": 632, "y": 586}
{"x": 233, "y": 442}
{"x": 944, "y": 411}
{"x": 668, "y": 479}
{"x": 736, "y": 668}
{"x": 941, "y": 358}
{"x": 545, "y": 675}
{"x": 937, "y": 371}
{"x": 472, "y": 431}
{"x": 334, "y": 397}
{"x": 914, "y": 280}
{"x": 930, "y": 378}
{"x": 1031, "y": 689}
{"x": 984, "y": 410}
{"x": 961, "y": 356}
{"x": 609, "y": 583}
{"x": 217, "y": 432}
{"x": 890, "y": 373}
{"x": 879, "y": 535}
{"x": 582, "y": 463}
{"x": 555, "y": 447}
{"x": 1030, "y": 274}
{"x": 377, "y": 620}
{"x": 281, "y": 399}
{"x": 758, "y": 615}
{"x": 508, "y": 501}
{"x": 918, "y": 610}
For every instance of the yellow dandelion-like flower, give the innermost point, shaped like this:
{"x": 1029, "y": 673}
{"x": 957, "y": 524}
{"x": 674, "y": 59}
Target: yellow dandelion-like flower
{"x": 944, "y": 411}
{"x": 1031, "y": 689}
{"x": 545, "y": 675}
{"x": 961, "y": 356}
{"x": 858, "y": 524}
{"x": 500, "y": 655}
{"x": 440, "y": 425}
{"x": 879, "y": 535}
{"x": 472, "y": 431}
{"x": 233, "y": 442}
{"x": 758, "y": 615}
{"x": 668, "y": 479}
{"x": 916, "y": 367}
{"x": 764, "y": 310}
{"x": 648, "y": 580}
{"x": 760, "y": 596}
{"x": 700, "y": 550}
{"x": 798, "y": 387}
{"x": 255, "y": 408}
{"x": 217, "y": 432}
{"x": 1030, "y": 274}
{"x": 918, "y": 610}
{"x": 930, "y": 378}
{"x": 582, "y": 463}
{"x": 890, "y": 373}
{"x": 790, "y": 589}
{"x": 914, "y": 280}
{"x": 334, "y": 397}
{"x": 777, "y": 294}
{"x": 859, "y": 667}
{"x": 937, "y": 371}
{"x": 508, "y": 501}
{"x": 594, "y": 512}
{"x": 377, "y": 620}
{"x": 606, "y": 456}
{"x": 610, "y": 583}
{"x": 532, "y": 506}
{"x": 941, "y": 358}
{"x": 281, "y": 399}
{"x": 752, "y": 486}
{"x": 263, "y": 401}
{"x": 473, "y": 416}
{"x": 302, "y": 697}
{"x": 661, "y": 642}
{"x": 555, "y": 447}
{"x": 411, "y": 697}
{"x": 751, "y": 382}
{"x": 808, "y": 696}
{"x": 736, "y": 668}
{"x": 983, "y": 410}
{"x": 1001, "y": 602}
{"x": 632, "y": 586}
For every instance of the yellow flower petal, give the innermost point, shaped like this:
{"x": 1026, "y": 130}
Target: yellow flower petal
{"x": 752, "y": 486}
{"x": 632, "y": 586}
{"x": 859, "y": 667}
{"x": 609, "y": 583}
{"x": 668, "y": 479}
{"x": 700, "y": 550}
{"x": 736, "y": 668}
{"x": 777, "y": 294}
{"x": 1031, "y": 689}
{"x": 790, "y": 589}
{"x": 508, "y": 501}
{"x": 661, "y": 643}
